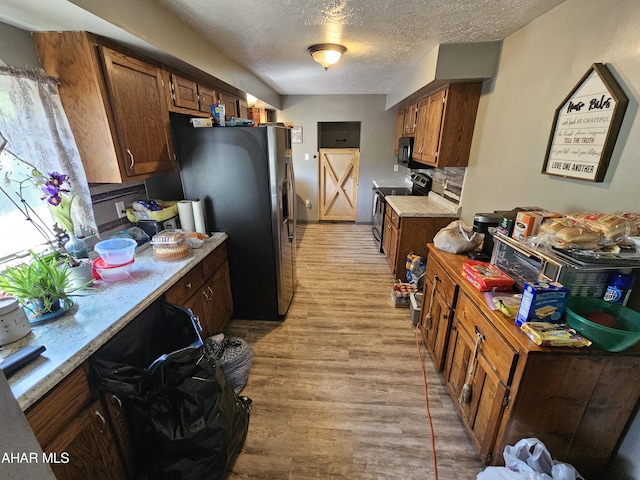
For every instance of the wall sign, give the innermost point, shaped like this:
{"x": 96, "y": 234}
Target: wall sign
{"x": 296, "y": 135}
{"x": 585, "y": 127}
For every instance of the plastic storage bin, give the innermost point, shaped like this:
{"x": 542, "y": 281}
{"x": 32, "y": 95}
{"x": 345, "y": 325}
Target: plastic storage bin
{"x": 116, "y": 251}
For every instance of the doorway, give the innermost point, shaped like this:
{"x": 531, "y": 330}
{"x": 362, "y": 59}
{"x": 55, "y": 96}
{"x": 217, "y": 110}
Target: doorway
{"x": 338, "y": 170}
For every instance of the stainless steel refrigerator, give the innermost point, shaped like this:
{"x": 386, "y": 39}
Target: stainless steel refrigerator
{"x": 244, "y": 177}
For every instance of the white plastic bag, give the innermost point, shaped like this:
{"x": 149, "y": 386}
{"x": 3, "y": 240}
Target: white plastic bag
{"x": 531, "y": 458}
{"x": 457, "y": 238}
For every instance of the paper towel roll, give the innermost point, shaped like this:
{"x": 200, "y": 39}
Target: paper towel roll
{"x": 185, "y": 213}
{"x": 198, "y": 216}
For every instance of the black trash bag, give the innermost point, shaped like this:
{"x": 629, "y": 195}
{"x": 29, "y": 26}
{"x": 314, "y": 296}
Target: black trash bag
{"x": 184, "y": 417}
{"x": 196, "y": 424}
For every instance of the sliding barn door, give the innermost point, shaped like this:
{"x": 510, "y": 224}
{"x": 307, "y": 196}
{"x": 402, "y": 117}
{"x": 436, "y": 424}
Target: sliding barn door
{"x": 338, "y": 184}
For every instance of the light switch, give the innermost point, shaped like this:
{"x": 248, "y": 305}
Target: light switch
{"x": 306, "y": 156}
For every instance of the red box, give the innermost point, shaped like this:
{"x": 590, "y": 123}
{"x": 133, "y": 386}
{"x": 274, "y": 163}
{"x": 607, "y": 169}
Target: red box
{"x": 485, "y": 276}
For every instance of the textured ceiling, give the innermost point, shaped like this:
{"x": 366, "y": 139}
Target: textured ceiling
{"x": 384, "y": 39}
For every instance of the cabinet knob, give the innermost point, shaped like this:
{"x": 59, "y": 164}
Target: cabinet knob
{"x": 188, "y": 285}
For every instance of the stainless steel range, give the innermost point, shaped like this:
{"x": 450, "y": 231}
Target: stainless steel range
{"x": 420, "y": 185}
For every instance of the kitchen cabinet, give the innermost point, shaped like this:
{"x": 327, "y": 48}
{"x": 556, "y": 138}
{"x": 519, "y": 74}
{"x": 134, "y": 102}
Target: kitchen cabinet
{"x": 73, "y": 430}
{"x": 114, "y": 103}
{"x": 410, "y": 119}
{"x": 206, "y": 290}
{"x": 230, "y": 103}
{"x": 479, "y": 356}
{"x": 439, "y": 298}
{"x": 563, "y": 396}
{"x": 399, "y": 130}
{"x": 243, "y": 109}
{"x": 406, "y": 234}
{"x": 445, "y": 124}
{"x": 188, "y": 96}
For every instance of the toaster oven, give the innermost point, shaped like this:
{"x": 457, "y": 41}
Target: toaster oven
{"x": 527, "y": 264}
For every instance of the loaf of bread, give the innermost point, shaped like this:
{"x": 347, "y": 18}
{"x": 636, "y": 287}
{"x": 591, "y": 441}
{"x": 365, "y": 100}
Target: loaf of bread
{"x": 611, "y": 226}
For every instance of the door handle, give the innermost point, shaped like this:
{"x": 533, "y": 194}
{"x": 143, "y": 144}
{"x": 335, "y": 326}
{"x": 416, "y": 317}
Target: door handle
{"x": 133, "y": 161}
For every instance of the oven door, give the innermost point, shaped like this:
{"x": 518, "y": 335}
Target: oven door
{"x": 377, "y": 218}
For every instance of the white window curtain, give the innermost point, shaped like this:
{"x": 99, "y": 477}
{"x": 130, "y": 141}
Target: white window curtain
{"x": 37, "y": 132}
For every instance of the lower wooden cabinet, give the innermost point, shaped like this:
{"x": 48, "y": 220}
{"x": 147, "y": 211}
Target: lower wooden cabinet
{"x": 577, "y": 401}
{"x": 206, "y": 290}
{"x": 85, "y": 435}
{"x": 75, "y": 433}
{"x": 406, "y": 234}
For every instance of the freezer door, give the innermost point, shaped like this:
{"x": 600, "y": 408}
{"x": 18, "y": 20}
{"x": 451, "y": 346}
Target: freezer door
{"x": 287, "y": 240}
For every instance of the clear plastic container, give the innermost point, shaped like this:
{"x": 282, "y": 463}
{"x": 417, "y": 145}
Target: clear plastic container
{"x": 116, "y": 251}
{"x": 113, "y": 273}
{"x": 170, "y": 245}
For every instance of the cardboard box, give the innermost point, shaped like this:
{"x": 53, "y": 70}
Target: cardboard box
{"x": 528, "y": 223}
{"x": 542, "y": 302}
{"x": 508, "y": 219}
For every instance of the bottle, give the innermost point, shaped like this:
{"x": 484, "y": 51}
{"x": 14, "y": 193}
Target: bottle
{"x": 619, "y": 288}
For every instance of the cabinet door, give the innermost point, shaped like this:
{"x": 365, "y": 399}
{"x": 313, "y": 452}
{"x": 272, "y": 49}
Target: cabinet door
{"x": 435, "y": 322}
{"x": 221, "y": 304}
{"x": 206, "y": 97}
{"x": 399, "y": 130}
{"x": 139, "y": 114}
{"x": 230, "y": 103}
{"x": 184, "y": 92}
{"x": 410, "y": 119}
{"x": 490, "y": 376}
{"x": 86, "y": 448}
{"x": 431, "y": 127}
{"x": 242, "y": 108}
{"x": 421, "y": 127}
{"x": 120, "y": 427}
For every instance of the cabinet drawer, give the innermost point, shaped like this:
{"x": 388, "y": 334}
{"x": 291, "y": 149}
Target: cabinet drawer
{"x": 186, "y": 286}
{"x": 392, "y": 216}
{"x": 56, "y": 409}
{"x": 214, "y": 260}
{"x": 444, "y": 285}
{"x": 499, "y": 354}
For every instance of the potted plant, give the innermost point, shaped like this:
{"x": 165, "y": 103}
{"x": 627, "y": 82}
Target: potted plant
{"x": 42, "y": 285}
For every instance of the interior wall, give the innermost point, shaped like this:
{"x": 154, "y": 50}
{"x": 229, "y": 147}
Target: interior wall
{"x": 539, "y": 66}
{"x": 376, "y": 145}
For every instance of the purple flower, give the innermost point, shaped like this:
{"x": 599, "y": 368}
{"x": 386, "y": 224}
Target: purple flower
{"x": 53, "y": 190}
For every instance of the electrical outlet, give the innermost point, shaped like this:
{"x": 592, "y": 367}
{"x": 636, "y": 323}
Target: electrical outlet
{"x": 121, "y": 210}
{"x": 395, "y": 168}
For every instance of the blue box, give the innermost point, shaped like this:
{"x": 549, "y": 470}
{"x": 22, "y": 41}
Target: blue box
{"x": 542, "y": 302}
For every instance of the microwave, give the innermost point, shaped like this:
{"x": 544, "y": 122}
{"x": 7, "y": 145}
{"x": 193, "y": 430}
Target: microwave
{"x": 528, "y": 264}
{"x": 405, "y": 153}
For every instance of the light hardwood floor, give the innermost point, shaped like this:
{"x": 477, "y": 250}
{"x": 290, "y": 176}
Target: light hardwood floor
{"x": 337, "y": 387}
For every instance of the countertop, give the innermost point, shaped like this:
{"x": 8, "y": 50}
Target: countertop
{"x": 432, "y": 205}
{"x": 98, "y": 314}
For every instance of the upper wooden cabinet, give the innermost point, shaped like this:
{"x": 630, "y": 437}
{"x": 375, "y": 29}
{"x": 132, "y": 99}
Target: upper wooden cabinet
{"x": 243, "y": 109}
{"x": 230, "y": 103}
{"x": 445, "y": 123}
{"x": 188, "y": 96}
{"x": 410, "y": 119}
{"x": 399, "y": 130}
{"x": 115, "y": 106}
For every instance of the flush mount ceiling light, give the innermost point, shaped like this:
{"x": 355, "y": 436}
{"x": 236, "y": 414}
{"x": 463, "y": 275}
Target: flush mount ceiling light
{"x": 326, "y": 54}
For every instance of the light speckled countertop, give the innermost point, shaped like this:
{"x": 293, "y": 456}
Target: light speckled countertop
{"x": 432, "y": 205}
{"x": 95, "y": 318}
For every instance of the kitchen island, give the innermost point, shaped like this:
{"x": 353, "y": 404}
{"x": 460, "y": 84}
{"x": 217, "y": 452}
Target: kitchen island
{"x": 98, "y": 314}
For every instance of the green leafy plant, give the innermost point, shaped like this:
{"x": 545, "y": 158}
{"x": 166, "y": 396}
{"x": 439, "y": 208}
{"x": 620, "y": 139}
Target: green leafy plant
{"x": 44, "y": 278}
